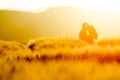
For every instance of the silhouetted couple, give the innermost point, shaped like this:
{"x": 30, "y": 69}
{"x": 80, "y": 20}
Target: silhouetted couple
{"x": 88, "y": 33}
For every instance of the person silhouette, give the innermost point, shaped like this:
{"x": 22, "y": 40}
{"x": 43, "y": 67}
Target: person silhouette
{"x": 88, "y": 33}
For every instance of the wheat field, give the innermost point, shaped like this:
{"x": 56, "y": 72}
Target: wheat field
{"x": 60, "y": 59}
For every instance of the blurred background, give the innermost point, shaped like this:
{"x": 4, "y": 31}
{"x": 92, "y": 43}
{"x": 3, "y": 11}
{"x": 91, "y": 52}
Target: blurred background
{"x": 23, "y": 20}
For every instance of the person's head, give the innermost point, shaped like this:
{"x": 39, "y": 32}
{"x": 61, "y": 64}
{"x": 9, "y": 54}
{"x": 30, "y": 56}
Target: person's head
{"x": 85, "y": 25}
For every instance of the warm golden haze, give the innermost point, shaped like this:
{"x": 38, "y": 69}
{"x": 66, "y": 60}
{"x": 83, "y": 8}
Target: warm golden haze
{"x": 56, "y": 22}
{"x": 59, "y": 40}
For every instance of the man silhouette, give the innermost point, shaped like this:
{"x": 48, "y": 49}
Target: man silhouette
{"x": 88, "y": 33}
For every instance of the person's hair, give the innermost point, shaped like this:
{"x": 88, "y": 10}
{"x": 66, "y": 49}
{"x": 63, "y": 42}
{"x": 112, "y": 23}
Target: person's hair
{"x": 84, "y": 25}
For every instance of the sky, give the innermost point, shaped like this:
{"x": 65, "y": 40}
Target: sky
{"x": 28, "y": 5}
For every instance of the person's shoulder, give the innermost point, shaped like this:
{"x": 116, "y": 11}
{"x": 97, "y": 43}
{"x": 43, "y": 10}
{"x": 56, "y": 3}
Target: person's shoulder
{"x": 91, "y": 26}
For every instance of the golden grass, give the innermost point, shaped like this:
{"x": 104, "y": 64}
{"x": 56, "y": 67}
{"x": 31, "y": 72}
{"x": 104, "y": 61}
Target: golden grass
{"x": 60, "y": 59}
